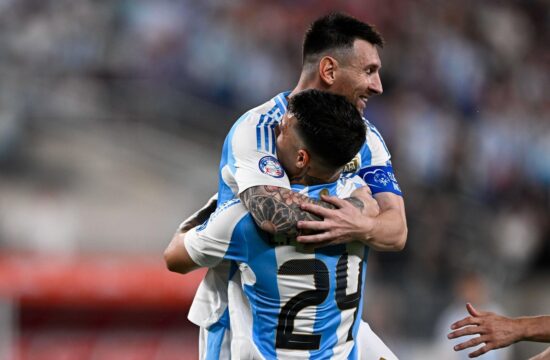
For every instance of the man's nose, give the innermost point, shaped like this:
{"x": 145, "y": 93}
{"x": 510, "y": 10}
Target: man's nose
{"x": 376, "y": 85}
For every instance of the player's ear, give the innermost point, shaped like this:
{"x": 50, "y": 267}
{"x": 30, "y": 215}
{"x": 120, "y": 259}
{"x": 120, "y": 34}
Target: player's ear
{"x": 277, "y": 130}
{"x": 327, "y": 69}
{"x": 302, "y": 159}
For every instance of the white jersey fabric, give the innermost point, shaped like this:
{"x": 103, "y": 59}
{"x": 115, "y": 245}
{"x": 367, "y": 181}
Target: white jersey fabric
{"x": 302, "y": 304}
{"x": 249, "y": 158}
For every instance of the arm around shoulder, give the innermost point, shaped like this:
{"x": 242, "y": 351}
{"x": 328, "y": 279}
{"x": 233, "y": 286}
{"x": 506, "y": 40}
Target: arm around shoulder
{"x": 389, "y": 232}
{"x": 377, "y": 222}
{"x": 277, "y": 210}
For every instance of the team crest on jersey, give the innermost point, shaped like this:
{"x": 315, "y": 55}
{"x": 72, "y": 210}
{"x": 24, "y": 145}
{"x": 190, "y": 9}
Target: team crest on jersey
{"x": 271, "y": 166}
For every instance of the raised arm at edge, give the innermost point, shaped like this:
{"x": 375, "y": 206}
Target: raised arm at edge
{"x": 535, "y": 328}
{"x": 277, "y": 210}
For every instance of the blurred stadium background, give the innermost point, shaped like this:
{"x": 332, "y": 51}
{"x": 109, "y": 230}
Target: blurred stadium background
{"x": 112, "y": 117}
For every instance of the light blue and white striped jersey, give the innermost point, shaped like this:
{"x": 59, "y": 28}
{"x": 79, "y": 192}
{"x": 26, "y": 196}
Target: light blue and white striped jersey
{"x": 251, "y": 139}
{"x": 249, "y": 155}
{"x": 303, "y": 304}
{"x": 249, "y": 158}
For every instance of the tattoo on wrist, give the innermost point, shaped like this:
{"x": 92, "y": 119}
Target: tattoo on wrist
{"x": 277, "y": 210}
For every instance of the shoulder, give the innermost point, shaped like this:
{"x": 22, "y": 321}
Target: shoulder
{"x": 346, "y": 185}
{"x": 213, "y": 241}
{"x": 254, "y": 130}
{"x": 374, "y": 151}
{"x": 223, "y": 221}
{"x": 373, "y": 136}
{"x": 262, "y": 115}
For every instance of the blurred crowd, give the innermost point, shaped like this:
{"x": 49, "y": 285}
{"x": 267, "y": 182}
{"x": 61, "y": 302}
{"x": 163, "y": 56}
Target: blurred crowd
{"x": 465, "y": 111}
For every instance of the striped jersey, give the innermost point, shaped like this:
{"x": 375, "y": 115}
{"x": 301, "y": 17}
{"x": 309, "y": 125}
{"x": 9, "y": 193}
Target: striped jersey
{"x": 302, "y": 304}
{"x": 249, "y": 158}
{"x": 249, "y": 155}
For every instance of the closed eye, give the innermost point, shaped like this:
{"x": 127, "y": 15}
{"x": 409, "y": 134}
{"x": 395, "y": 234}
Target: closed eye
{"x": 371, "y": 69}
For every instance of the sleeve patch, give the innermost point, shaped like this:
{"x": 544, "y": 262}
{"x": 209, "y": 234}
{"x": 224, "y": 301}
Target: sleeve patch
{"x": 271, "y": 166}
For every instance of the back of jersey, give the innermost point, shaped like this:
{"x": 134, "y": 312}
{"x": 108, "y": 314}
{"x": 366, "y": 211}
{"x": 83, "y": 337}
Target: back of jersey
{"x": 304, "y": 303}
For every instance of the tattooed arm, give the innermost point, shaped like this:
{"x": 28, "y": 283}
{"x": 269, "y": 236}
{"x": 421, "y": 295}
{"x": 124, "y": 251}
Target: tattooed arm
{"x": 277, "y": 210}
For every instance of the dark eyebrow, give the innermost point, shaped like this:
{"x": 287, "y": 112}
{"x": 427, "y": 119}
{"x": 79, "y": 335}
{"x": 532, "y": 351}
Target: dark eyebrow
{"x": 376, "y": 66}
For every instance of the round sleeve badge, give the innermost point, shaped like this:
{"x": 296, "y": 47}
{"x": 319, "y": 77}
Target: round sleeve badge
{"x": 271, "y": 166}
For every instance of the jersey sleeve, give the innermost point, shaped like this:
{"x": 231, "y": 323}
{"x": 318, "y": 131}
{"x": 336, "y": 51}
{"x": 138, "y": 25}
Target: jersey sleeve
{"x": 254, "y": 157}
{"x": 376, "y": 167}
{"x": 216, "y": 239}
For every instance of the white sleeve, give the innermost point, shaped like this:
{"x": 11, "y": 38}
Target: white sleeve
{"x": 380, "y": 155}
{"x": 371, "y": 346}
{"x": 255, "y": 158}
{"x": 208, "y": 244}
{"x": 376, "y": 169}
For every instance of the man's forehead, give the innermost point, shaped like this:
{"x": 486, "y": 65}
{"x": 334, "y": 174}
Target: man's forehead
{"x": 365, "y": 53}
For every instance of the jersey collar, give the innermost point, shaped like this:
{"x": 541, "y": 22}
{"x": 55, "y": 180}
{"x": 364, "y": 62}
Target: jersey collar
{"x": 281, "y": 102}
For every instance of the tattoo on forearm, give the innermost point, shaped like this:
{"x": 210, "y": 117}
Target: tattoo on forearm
{"x": 277, "y": 210}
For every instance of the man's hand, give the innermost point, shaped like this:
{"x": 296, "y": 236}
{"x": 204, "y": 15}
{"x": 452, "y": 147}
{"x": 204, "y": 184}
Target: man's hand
{"x": 349, "y": 221}
{"x": 497, "y": 331}
{"x": 494, "y": 331}
{"x": 364, "y": 194}
{"x": 380, "y": 224}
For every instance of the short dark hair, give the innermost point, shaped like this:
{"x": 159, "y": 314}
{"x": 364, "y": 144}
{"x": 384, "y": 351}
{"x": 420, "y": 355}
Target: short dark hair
{"x": 337, "y": 31}
{"x": 330, "y": 126}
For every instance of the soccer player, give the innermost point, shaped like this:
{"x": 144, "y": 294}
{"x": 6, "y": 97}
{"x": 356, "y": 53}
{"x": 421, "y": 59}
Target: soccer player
{"x": 302, "y": 303}
{"x": 339, "y": 55}
{"x": 496, "y": 331}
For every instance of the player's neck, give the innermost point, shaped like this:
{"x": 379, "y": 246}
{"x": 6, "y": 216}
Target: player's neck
{"x": 307, "y": 81}
{"x": 309, "y": 179}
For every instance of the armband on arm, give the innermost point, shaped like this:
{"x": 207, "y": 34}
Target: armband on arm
{"x": 380, "y": 179}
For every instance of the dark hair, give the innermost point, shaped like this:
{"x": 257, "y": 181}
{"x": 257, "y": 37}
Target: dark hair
{"x": 330, "y": 126}
{"x": 337, "y": 31}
